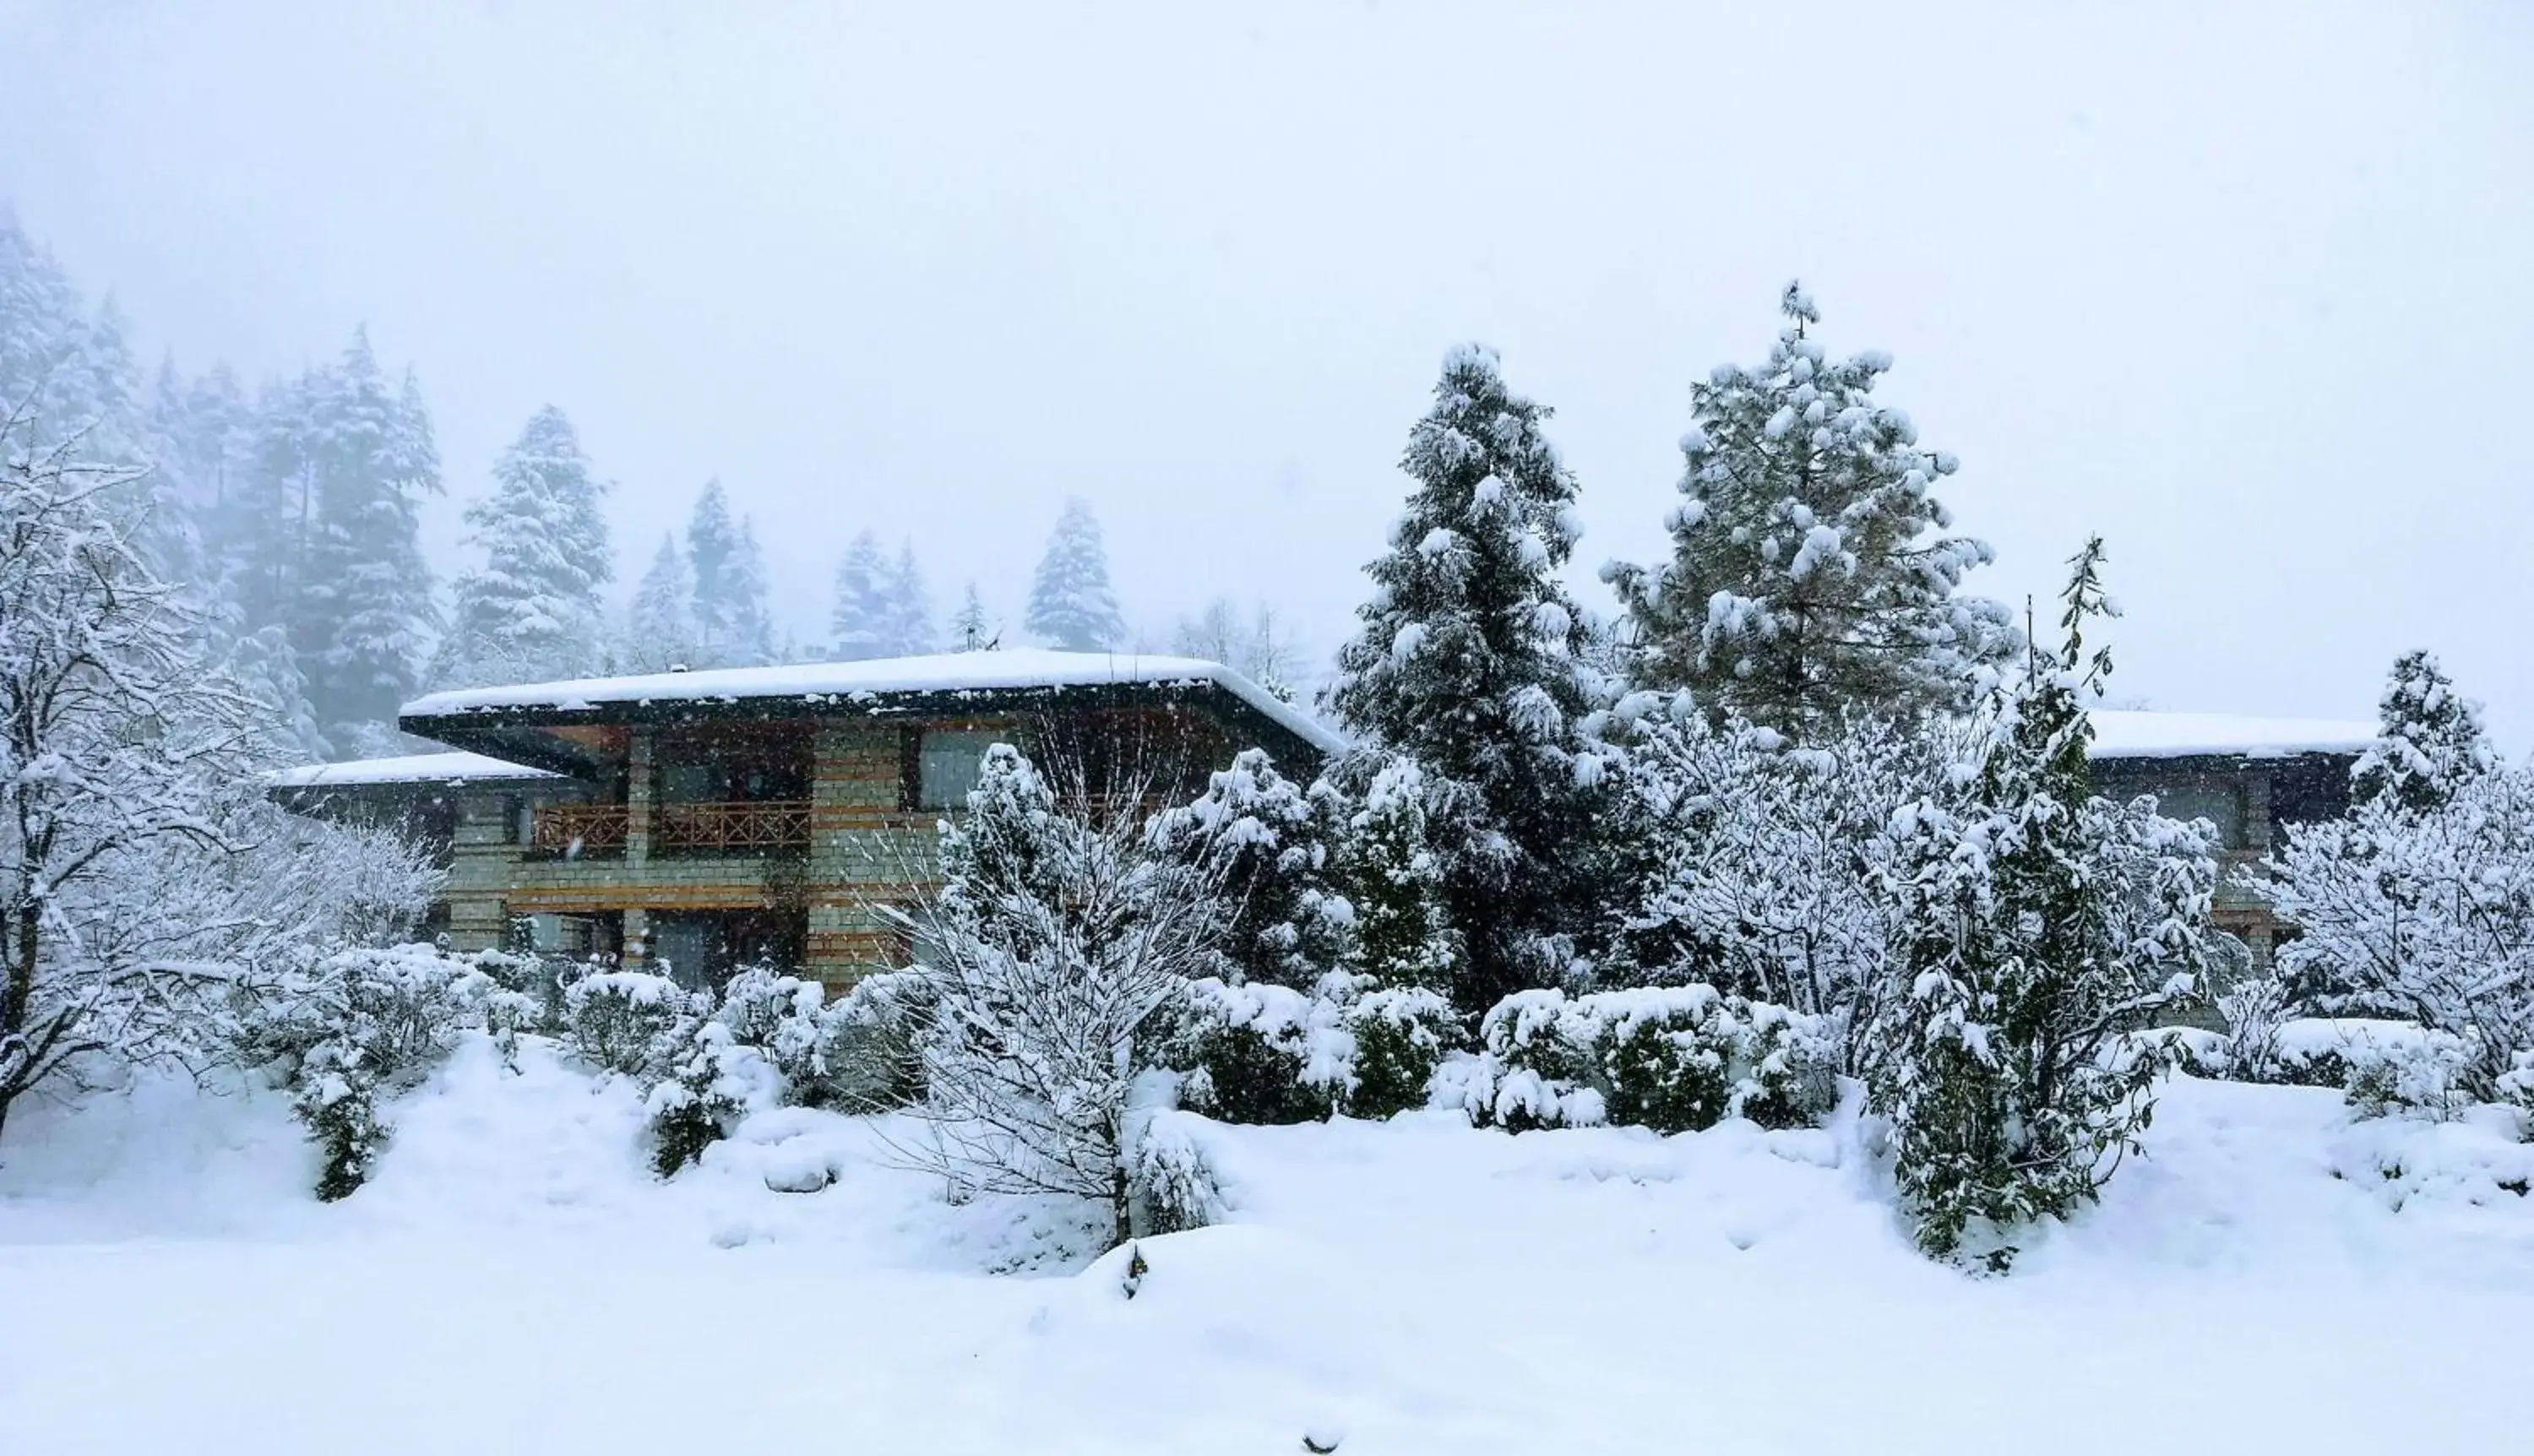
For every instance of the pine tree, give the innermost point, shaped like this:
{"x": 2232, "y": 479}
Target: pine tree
{"x": 1264, "y": 839}
{"x": 1474, "y": 663}
{"x": 2035, "y": 924}
{"x": 1391, "y": 878}
{"x": 860, "y": 626}
{"x": 1809, "y": 573}
{"x": 969, "y": 629}
{"x": 660, "y": 627}
{"x": 732, "y": 623}
{"x": 532, "y": 613}
{"x": 366, "y": 609}
{"x": 2432, "y": 741}
{"x": 909, "y": 606}
{"x": 1071, "y": 605}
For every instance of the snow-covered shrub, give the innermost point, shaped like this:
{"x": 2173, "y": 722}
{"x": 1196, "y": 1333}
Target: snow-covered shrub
{"x": 1259, "y": 1054}
{"x": 1401, "y": 1034}
{"x": 2422, "y": 914}
{"x": 855, "y": 1053}
{"x": 1173, "y": 1183}
{"x": 1675, "y": 1059}
{"x": 1756, "y": 859}
{"x": 2035, "y": 925}
{"x": 2343, "y": 1052}
{"x": 357, "y": 1026}
{"x": 1264, "y": 840}
{"x": 2425, "y": 1080}
{"x": 709, "y": 1081}
{"x": 335, "y": 1097}
{"x": 619, "y": 1021}
{"x": 1054, "y": 943}
{"x": 2255, "y": 1008}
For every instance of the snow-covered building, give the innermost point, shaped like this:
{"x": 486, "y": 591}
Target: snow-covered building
{"x": 705, "y": 819}
{"x": 420, "y": 796}
{"x": 2247, "y": 776}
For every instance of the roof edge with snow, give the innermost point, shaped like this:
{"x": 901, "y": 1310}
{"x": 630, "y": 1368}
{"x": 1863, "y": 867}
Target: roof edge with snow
{"x": 944, "y": 683}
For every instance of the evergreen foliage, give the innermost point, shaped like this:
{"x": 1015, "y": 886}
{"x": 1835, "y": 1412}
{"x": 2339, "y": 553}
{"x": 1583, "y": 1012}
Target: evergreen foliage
{"x": 2433, "y": 743}
{"x": 1264, "y": 839}
{"x": 2033, "y": 923}
{"x": 1391, "y": 880}
{"x": 365, "y": 610}
{"x": 1071, "y": 605}
{"x": 660, "y": 627}
{"x": 909, "y": 614}
{"x": 734, "y": 625}
{"x": 1473, "y": 664}
{"x": 532, "y": 613}
{"x": 859, "y": 628}
{"x": 970, "y": 631}
{"x": 1810, "y": 576}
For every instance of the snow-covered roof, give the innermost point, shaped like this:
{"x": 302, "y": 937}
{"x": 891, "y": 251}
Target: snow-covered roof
{"x": 2126, "y": 734}
{"x": 406, "y": 768}
{"x": 851, "y": 681}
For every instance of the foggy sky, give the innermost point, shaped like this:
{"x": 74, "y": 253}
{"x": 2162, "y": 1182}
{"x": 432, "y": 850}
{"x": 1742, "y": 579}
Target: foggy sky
{"x": 2247, "y": 292}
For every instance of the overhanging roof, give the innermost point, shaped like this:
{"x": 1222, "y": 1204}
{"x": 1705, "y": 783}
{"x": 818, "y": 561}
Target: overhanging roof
{"x": 507, "y": 720}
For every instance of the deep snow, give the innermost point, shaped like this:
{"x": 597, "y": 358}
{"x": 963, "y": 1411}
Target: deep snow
{"x": 515, "y": 1281}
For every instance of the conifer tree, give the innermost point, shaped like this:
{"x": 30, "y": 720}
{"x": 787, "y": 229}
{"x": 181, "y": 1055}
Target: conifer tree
{"x": 532, "y": 613}
{"x": 1391, "y": 878}
{"x": 1810, "y": 571}
{"x": 660, "y": 627}
{"x": 1071, "y": 605}
{"x": 909, "y": 606}
{"x": 1473, "y": 663}
{"x": 366, "y": 609}
{"x": 733, "y": 624}
{"x": 2431, "y": 743}
{"x": 859, "y": 628}
{"x": 2035, "y": 923}
{"x": 969, "y": 629}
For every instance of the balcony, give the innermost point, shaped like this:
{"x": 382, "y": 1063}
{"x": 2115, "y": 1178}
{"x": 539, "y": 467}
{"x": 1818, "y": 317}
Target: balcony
{"x": 578, "y": 831}
{"x": 763, "y": 826}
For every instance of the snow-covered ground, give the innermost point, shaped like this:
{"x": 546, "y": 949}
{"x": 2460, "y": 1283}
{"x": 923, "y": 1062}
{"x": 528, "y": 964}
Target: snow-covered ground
{"x": 515, "y": 1281}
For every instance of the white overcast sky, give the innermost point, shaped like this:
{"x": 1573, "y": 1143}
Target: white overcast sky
{"x": 2246, "y": 288}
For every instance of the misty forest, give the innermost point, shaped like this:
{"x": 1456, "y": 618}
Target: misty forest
{"x": 1778, "y": 992}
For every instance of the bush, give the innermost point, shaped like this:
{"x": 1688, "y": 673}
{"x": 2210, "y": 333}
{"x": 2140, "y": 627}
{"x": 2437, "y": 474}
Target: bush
{"x": 1673, "y": 1059}
{"x": 620, "y": 1021}
{"x": 1401, "y": 1037}
{"x": 1265, "y": 1054}
{"x": 710, "y": 1081}
{"x": 357, "y": 1026}
{"x": 1173, "y": 1183}
{"x": 856, "y": 1053}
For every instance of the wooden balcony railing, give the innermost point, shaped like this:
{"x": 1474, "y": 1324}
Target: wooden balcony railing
{"x": 578, "y": 830}
{"x": 765, "y": 827}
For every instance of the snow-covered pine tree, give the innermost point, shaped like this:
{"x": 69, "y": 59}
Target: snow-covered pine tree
{"x": 2432, "y": 744}
{"x": 1264, "y": 839}
{"x": 532, "y": 613}
{"x": 1811, "y": 571}
{"x": 733, "y": 624}
{"x": 2034, "y": 924}
{"x": 1391, "y": 878}
{"x": 366, "y": 612}
{"x": 859, "y": 627}
{"x": 1070, "y": 603}
{"x": 1474, "y": 663}
{"x": 909, "y": 606}
{"x": 660, "y": 625}
{"x": 970, "y": 631}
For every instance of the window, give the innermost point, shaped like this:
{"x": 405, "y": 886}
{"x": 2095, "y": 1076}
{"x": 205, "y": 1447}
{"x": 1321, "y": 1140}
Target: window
{"x": 949, "y": 764}
{"x": 2219, "y": 804}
